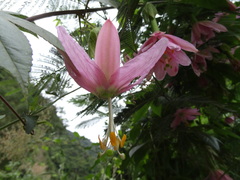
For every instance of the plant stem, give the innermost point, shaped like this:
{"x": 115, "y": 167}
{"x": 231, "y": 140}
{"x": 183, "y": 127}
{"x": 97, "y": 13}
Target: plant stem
{"x": 9, "y": 124}
{"x": 51, "y": 103}
{"x": 154, "y": 24}
{"x": 111, "y": 121}
{"x": 11, "y": 108}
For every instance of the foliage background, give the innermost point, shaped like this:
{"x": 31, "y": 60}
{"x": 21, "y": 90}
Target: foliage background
{"x": 153, "y": 149}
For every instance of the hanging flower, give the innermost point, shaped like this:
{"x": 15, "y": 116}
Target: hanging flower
{"x": 202, "y": 31}
{"x": 103, "y": 76}
{"x": 184, "y": 115}
{"x": 218, "y": 175}
{"x": 173, "y": 55}
{"x": 199, "y": 63}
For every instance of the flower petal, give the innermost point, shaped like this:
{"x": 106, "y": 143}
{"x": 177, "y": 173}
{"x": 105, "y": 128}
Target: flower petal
{"x": 173, "y": 70}
{"x": 148, "y": 44}
{"x": 181, "y": 58}
{"x": 215, "y": 26}
{"x": 107, "y": 52}
{"x": 80, "y": 67}
{"x": 138, "y": 67}
{"x": 185, "y": 45}
{"x": 159, "y": 70}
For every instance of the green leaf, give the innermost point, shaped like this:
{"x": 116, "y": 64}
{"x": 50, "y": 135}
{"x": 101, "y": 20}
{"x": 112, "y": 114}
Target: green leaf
{"x": 76, "y": 135}
{"x": 31, "y": 122}
{"x": 211, "y": 141}
{"x": 210, "y": 4}
{"x": 157, "y": 109}
{"x": 134, "y": 149}
{"x": 2, "y": 116}
{"x": 92, "y": 41}
{"x": 33, "y": 28}
{"x": 237, "y": 92}
{"x": 141, "y": 113}
{"x": 16, "y": 53}
{"x": 150, "y": 10}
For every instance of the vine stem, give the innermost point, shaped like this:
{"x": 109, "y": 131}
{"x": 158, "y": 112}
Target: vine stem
{"x": 80, "y": 12}
{"x": 111, "y": 121}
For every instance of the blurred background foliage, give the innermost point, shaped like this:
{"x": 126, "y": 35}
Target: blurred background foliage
{"x": 153, "y": 149}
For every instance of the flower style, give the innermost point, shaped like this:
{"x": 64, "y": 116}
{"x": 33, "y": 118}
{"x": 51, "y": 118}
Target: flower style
{"x": 103, "y": 76}
{"x": 202, "y": 31}
{"x": 173, "y": 55}
{"x": 184, "y": 115}
{"x": 218, "y": 175}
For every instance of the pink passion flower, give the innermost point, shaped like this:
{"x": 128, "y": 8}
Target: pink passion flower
{"x": 202, "y": 31}
{"x": 218, "y": 175}
{"x": 104, "y": 76}
{"x": 183, "y": 116}
{"x": 173, "y": 55}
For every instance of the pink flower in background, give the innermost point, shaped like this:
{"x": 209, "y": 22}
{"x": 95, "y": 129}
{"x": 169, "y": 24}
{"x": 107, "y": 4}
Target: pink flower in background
{"x": 230, "y": 120}
{"x": 218, "y": 175}
{"x": 103, "y": 76}
{"x": 199, "y": 63}
{"x": 202, "y": 31}
{"x": 184, "y": 115}
{"x": 231, "y": 5}
{"x": 172, "y": 57}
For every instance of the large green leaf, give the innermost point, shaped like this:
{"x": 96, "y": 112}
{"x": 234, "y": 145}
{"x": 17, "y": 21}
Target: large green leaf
{"x": 15, "y": 51}
{"x": 33, "y": 28}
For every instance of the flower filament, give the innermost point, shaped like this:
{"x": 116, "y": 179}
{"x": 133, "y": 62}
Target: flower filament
{"x": 111, "y": 140}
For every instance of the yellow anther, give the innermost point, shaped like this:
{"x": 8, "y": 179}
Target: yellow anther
{"x": 102, "y": 144}
{"x": 123, "y": 140}
{"x": 113, "y": 139}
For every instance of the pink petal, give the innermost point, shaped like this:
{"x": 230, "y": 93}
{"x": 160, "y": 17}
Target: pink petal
{"x": 138, "y": 67}
{"x": 159, "y": 71}
{"x": 148, "y": 44}
{"x": 174, "y": 46}
{"x": 196, "y": 34}
{"x": 173, "y": 70}
{"x": 107, "y": 52}
{"x": 199, "y": 64}
{"x": 215, "y": 26}
{"x": 185, "y": 45}
{"x": 181, "y": 58}
{"x": 177, "y": 120}
{"x": 80, "y": 67}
